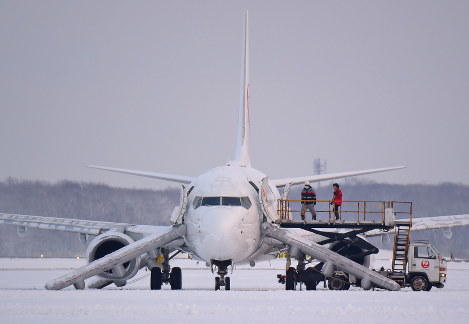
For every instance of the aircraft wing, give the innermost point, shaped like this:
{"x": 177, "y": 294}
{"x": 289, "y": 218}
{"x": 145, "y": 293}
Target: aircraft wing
{"x": 330, "y": 176}
{"x": 60, "y": 224}
{"x": 425, "y": 223}
{"x": 161, "y": 176}
{"x": 79, "y": 225}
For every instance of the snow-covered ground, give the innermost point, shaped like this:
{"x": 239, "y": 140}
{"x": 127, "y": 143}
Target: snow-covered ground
{"x": 256, "y": 297}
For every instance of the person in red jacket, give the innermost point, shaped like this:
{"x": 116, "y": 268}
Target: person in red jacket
{"x": 336, "y": 199}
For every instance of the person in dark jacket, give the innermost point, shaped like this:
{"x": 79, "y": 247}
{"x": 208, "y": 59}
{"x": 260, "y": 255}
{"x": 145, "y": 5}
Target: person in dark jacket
{"x": 336, "y": 199}
{"x": 308, "y": 200}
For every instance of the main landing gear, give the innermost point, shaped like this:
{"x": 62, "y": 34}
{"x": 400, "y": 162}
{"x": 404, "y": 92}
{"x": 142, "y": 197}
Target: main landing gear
{"x": 222, "y": 271}
{"x": 166, "y": 274}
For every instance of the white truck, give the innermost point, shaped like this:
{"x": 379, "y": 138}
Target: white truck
{"x": 425, "y": 268}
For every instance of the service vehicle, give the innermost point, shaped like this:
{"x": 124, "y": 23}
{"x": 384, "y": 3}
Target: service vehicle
{"x": 425, "y": 268}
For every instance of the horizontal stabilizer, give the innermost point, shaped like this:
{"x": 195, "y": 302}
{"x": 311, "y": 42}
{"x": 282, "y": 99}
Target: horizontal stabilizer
{"x": 330, "y": 258}
{"x": 330, "y": 176}
{"x": 161, "y": 176}
{"x": 119, "y": 257}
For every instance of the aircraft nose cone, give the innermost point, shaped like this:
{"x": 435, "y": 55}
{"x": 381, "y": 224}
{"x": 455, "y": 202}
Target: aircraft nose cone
{"x": 220, "y": 235}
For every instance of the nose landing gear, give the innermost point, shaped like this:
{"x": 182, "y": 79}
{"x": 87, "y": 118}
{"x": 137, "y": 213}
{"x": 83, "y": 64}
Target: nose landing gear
{"x": 222, "y": 271}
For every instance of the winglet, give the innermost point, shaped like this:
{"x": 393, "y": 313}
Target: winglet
{"x": 242, "y": 149}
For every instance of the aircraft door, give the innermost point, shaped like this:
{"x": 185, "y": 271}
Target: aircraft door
{"x": 268, "y": 201}
{"x": 177, "y": 217}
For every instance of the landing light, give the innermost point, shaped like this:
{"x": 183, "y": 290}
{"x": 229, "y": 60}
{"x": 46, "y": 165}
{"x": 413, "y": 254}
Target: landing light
{"x": 78, "y": 258}
{"x": 42, "y": 255}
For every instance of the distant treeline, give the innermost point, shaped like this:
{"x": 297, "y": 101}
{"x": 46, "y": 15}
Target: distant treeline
{"x": 136, "y": 206}
{"x": 69, "y": 199}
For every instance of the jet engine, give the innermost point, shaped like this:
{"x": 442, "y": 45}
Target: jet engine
{"x": 107, "y": 243}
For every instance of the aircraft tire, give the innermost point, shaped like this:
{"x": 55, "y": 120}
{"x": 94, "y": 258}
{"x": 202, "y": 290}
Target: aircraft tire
{"x": 217, "y": 283}
{"x": 227, "y": 283}
{"x": 156, "y": 279}
{"x": 290, "y": 280}
{"x": 175, "y": 278}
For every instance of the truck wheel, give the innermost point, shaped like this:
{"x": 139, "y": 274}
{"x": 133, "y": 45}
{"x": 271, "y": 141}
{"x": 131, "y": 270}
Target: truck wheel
{"x": 419, "y": 283}
{"x": 290, "y": 280}
{"x": 336, "y": 283}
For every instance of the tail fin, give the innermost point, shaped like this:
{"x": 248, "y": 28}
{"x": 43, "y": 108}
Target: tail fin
{"x": 242, "y": 149}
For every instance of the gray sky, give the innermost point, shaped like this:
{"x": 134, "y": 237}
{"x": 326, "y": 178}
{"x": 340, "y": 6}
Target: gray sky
{"x": 154, "y": 86}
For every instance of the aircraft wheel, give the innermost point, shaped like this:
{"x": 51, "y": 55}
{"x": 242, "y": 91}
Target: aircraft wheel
{"x": 290, "y": 280}
{"x": 419, "y": 283}
{"x": 336, "y": 283}
{"x": 176, "y": 278}
{"x": 217, "y": 283}
{"x": 156, "y": 279}
{"x": 227, "y": 283}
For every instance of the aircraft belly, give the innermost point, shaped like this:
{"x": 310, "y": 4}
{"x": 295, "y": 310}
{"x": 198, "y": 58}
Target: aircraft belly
{"x": 220, "y": 234}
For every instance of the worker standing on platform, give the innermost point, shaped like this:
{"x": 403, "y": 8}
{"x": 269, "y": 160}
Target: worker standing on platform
{"x": 336, "y": 200}
{"x": 308, "y": 200}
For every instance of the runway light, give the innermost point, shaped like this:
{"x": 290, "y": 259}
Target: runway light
{"x": 78, "y": 258}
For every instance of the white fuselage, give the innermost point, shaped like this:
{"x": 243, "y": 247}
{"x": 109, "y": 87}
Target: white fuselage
{"x": 219, "y": 227}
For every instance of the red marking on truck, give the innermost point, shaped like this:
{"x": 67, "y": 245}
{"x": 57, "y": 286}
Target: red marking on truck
{"x": 425, "y": 264}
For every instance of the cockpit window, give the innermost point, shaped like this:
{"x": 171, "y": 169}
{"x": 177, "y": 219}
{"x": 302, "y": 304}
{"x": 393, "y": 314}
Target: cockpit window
{"x": 246, "y": 202}
{"x": 224, "y": 201}
{"x": 231, "y": 201}
{"x": 210, "y": 201}
{"x": 197, "y": 202}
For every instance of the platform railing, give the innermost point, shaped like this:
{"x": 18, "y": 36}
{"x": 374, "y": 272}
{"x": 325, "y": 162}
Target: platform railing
{"x": 351, "y": 211}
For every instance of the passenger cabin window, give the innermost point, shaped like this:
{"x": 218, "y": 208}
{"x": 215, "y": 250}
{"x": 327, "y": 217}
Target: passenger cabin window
{"x": 424, "y": 252}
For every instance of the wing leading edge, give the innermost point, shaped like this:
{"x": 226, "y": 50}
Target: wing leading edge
{"x": 330, "y": 176}
{"x": 427, "y": 223}
{"x": 161, "y": 176}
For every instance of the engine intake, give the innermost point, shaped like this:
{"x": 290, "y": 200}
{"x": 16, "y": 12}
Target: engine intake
{"x": 107, "y": 243}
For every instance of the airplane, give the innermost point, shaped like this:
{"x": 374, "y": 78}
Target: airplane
{"x": 227, "y": 216}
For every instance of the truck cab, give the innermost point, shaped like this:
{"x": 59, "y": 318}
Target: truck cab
{"x": 425, "y": 267}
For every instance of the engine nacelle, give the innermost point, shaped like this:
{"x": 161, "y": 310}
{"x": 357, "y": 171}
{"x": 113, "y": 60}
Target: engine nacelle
{"x": 107, "y": 243}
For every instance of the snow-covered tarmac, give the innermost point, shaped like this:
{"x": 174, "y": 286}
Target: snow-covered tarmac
{"x": 256, "y": 297}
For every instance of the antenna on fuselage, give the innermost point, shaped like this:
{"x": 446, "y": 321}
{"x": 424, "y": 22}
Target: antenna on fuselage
{"x": 242, "y": 149}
